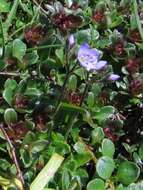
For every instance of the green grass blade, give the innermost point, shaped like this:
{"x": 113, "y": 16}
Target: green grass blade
{"x": 138, "y": 18}
{"x": 47, "y": 173}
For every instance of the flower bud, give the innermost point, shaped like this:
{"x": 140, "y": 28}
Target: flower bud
{"x": 113, "y": 77}
{"x": 71, "y": 40}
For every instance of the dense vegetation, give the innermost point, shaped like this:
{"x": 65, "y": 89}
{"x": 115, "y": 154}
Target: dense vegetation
{"x": 71, "y": 95}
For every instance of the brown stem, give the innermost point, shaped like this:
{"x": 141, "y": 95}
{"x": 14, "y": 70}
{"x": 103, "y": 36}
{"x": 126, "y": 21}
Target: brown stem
{"x": 13, "y": 153}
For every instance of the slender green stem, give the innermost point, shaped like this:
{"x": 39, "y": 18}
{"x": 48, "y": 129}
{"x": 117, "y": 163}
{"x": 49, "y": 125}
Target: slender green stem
{"x": 26, "y": 25}
{"x": 3, "y": 40}
{"x": 51, "y": 47}
{"x": 25, "y": 9}
{"x": 60, "y": 97}
{"x": 62, "y": 91}
{"x": 18, "y": 30}
{"x": 138, "y": 18}
{"x": 75, "y": 115}
{"x": 11, "y": 15}
{"x": 43, "y": 47}
{"x": 85, "y": 90}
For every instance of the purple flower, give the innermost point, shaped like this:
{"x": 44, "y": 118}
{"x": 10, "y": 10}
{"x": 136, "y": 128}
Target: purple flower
{"x": 89, "y": 58}
{"x": 113, "y": 77}
{"x": 71, "y": 40}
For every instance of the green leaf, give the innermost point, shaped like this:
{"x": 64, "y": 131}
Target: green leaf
{"x": 65, "y": 180}
{"x": 108, "y": 148}
{"x": 47, "y": 173}
{"x": 117, "y": 22}
{"x": 29, "y": 138}
{"x": 31, "y": 58}
{"x": 104, "y": 113}
{"x": 82, "y": 159}
{"x": 32, "y": 91}
{"x": 135, "y": 186}
{"x": 105, "y": 166}
{"x": 133, "y": 22}
{"x": 11, "y": 84}
{"x": 10, "y": 116}
{"x": 4, "y": 6}
{"x": 90, "y": 99}
{"x": 83, "y": 175}
{"x": 72, "y": 83}
{"x": 84, "y": 35}
{"x": 19, "y": 49}
{"x": 80, "y": 148}
{"x": 141, "y": 151}
{"x": 51, "y": 64}
{"x": 26, "y": 158}
{"x": 137, "y": 159}
{"x": 128, "y": 172}
{"x": 38, "y": 146}
{"x": 75, "y": 184}
{"x": 129, "y": 149}
{"x": 70, "y": 108}
{"x": 2, "y": 64}
{"x": 60, "y": 147}
{"x": 8, "y": 93}
{"x": 97, "y": 135}
{"x": 96, "y": 184}
{"x": 120, "y": 187}
{"x": 60, "y": 54}
{"x": 96, "y": 89}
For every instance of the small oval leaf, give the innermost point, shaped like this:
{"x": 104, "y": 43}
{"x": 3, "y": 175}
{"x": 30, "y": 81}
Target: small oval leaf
{"x": 105, "y": 166}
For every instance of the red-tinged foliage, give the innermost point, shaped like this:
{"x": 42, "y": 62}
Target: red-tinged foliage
{"x": 35, "y": 34}
{"x": 98, "y": 16}
{"x": 66, "y": 22}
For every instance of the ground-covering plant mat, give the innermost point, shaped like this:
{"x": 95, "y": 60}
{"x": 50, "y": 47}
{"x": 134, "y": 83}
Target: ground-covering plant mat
{"x": 71, "y": 95}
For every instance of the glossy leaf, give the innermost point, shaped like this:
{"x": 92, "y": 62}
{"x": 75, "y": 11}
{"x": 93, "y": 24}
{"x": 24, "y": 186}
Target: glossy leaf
{"x": 105, "y": 166}
{"x": 97, "y": 184}
{"x": 128, "y": 172}
{"x": 108, "y": 148}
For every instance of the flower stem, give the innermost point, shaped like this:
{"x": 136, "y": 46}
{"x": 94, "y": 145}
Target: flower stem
{"x": 75, "y": 115}
{"x": 43, "y": 47}
{"x": 13, "y": 153}
{"x": 63, "y": 90}
{"x": 69, "y": 72}
{"x": 85, "y": 90}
